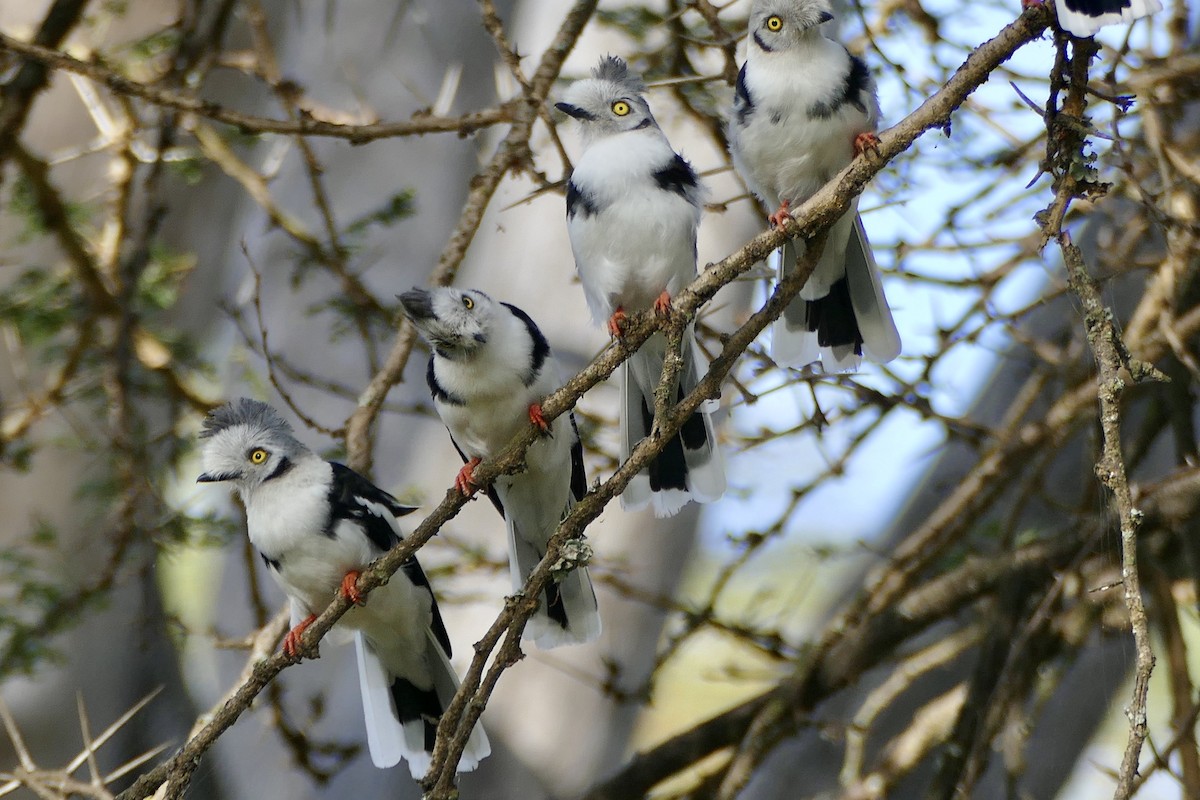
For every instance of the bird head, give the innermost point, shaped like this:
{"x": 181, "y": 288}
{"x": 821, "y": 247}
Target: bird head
{"x": 247, "y": 442}
{"x": 609, "y": 102}
{"x": 455, "y": 322}
{"x": 781, "y": 24}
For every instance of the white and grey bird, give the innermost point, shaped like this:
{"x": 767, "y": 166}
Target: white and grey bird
{"x": 1085, "y": 18}
{"x": 633, "y": 207}
{"x": 316, "y": 525}
{"x": 804, "y": 106}
{"x": 489, "y": 371}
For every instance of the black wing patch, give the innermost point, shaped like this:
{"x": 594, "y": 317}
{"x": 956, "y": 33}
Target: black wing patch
{"x": 743, "y": 103}
{"x": 540, "y": 350}
{"x": 349, "y": 494}
{"x": 853, "y": 91}
{"x": 676, "y": 176}
{"x": 412, "y": 570}
{"x": 348, "y": 497}
{"x": 579, "y": 201}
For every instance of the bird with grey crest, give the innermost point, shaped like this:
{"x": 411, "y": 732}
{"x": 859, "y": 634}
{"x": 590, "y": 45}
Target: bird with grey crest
{"x": 489, "y": 370}
{"x": 317, "y": 525}
{"x": 803, "y": 107}
{"x": 633, "y": 207}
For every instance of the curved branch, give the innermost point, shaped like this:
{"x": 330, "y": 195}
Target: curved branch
{"x": 304, "y": 125}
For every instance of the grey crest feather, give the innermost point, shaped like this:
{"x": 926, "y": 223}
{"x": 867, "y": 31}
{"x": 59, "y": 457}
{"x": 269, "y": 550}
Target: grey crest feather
{"x": 244, "y": 411}
{"x": 615, "y": 69}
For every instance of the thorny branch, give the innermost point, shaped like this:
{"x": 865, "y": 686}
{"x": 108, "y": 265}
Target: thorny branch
{"x": 810, "y": 219}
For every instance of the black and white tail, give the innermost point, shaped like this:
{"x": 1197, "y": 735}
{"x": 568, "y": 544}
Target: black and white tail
{"x": 690, "y": 466}
{"x": 568, "y": 613}
{"x": 402, "y": 718}
{"x": 1085, "y": 17}
{"x": 841, "y": 314}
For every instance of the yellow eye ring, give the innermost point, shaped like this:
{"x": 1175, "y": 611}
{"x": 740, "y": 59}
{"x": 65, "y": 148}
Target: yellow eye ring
{"x": 258, "y": 456}
{"x": 775, "y": 23}
{"x": 620, "y": 108}
{"x": 468, "y": 303}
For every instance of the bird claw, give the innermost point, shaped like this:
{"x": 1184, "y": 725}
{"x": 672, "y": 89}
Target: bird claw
{"x": 291, "y": 642}
{"x": 662, "y": 304}
{"x": 781, "y": 215}
{"x": 866, "y": 142}
{"x": 1032, "y": 3}
{"x": 464, "y": 481}
{"x": 535, "y": 416}
{"x": 616, "y": 323}
{"x": 349, "y": 588}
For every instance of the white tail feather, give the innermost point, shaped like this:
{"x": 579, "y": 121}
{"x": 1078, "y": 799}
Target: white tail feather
{"x": 881, "y": 340}
{"x": 389, "y": 740}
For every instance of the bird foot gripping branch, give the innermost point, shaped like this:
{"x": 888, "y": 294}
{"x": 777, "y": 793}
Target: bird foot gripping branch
{"x": 464, "y": 481}
{"x": 349, "y": 588}
{"x": 780, "y": 217}
{"x": 616, "y": 323}
{"x": 866, "y": 143}
{"x": 537, "y": 419}
{"x": 291, "y": 643}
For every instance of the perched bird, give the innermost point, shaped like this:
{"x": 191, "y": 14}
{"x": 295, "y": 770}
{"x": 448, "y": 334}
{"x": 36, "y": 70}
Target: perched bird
{"x": 633, "y": 206}
{"x": 316, "y": 525}
{"x": 803, "y": 108}
{"x": 1085, "y": 17}
{"x": 488, "y": 373}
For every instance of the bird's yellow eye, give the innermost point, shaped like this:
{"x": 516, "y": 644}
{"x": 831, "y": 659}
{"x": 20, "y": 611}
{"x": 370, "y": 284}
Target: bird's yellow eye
{"x": 775, "y": 23}
{"x": 258, "y": 456}
{"x": 620, "y": 108}
{"x": 468, "y": 303}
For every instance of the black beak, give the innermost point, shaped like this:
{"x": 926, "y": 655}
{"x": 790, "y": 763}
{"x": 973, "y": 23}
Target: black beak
{"x": 207, "y": 478}
{"x": 418, "y": 304}
{"x": 574, "y": 111}
{"x": 825, "y": 17}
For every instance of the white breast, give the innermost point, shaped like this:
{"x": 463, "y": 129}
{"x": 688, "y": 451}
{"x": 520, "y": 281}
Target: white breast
{"x": 782, "y": 151}
{"x": 285, "y": 520}
{"x": 642, "y": 240}
{"x": 492, "y": 385}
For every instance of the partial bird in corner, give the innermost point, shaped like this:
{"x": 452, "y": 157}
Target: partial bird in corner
{"x": 1085, "y": 18}
{"x": 317, "y": 525}
{"x": 803, "y": 108}
{"x": 489, "y": 371}
{"x": 633, "y": 207}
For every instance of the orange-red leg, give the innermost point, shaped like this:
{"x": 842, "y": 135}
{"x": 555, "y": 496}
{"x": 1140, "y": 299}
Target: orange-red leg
{"x": 1032, "y": 3}
{"x": 349, "y": 588}
{"x": 866, "y": 142}
{"x": 291, "y": 642}
{"x": 615, "y": 323}
{"x": 782, "y": 214}
{"x": 662, "y": 304}
{"x": 535, "y": 416}
{"x": 465, "y": 479}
